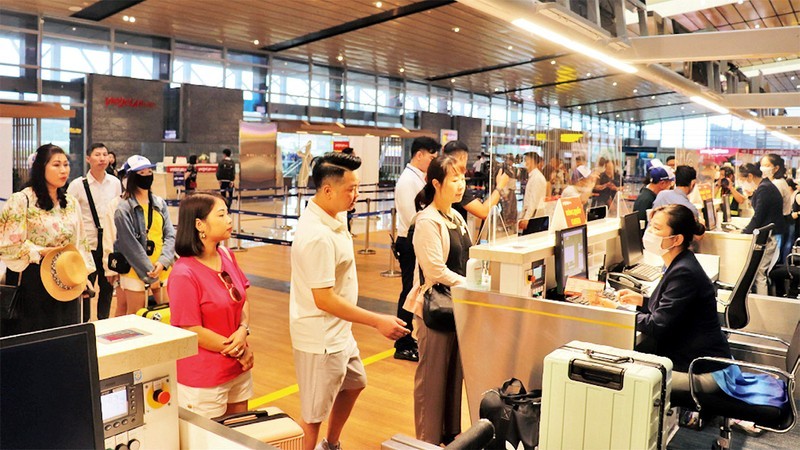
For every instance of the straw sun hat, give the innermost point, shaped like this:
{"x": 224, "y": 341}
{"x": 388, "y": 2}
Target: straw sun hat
{"x": 64, "y": 273}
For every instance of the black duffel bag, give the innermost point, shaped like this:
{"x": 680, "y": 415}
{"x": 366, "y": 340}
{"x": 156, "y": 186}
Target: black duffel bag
{"x": 515, "y": 414}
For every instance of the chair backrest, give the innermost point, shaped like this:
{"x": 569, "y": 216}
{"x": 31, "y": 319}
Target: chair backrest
{"x": 793, "y": 354}
{"x": 736, "y": 314}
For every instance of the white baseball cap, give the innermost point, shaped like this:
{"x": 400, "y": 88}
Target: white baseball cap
{"x": 138, "y": 162}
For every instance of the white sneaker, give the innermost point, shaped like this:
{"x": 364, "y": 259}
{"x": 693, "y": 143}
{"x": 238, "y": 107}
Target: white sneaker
{"x": 325, "y": 445}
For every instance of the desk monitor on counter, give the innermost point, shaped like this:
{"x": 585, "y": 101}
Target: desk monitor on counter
{"x": 51, "y": 389}
{"x": 536, "y": 225}
{"x": 571, "y": 255}
{"x": 726, "y": 208}
{"x": 630, "y": 238}
{"x": 597, "y": 213}
{"x": 710, "y": 214}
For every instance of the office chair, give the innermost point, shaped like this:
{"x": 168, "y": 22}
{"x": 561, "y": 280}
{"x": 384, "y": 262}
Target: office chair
{"x": 788, "y": 271}
{"x": 718, "y": 403}
{"x": 736, "y": 315}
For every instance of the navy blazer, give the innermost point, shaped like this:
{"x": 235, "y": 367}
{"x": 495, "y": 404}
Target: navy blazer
{"x": 680, "y": 318}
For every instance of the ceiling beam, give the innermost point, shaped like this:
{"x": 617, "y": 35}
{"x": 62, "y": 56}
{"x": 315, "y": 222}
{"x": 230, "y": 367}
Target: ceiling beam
{"x": 467, "y": 72}
{"x": 597, "y": 102}
{"x": 556, "y": 83}
{"x": 358, "y": 24}
{"x": 104, "y": 8}
{"x": 780, "y": 121}
{"x": 713, "y": 46}
{"x": 759, "y": 101}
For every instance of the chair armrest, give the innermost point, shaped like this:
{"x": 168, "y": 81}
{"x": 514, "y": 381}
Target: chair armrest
{"x": 788, "y": 377}
{"x": 755, "y": 335}
{"x": 726, "y": 286}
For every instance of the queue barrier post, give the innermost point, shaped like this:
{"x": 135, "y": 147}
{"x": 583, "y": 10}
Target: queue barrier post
{"x": 391, "y": 273}
{"x": 238, "y": 247}
{"x": 366, "y": 250}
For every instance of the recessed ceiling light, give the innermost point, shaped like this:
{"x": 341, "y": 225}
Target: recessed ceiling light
{"x": 588, "y": 74}
{"x": 456, "y": 29}
{"x": 125, "y": 43}
{"x": 635, "y": 91}
{"x": 74, "y": 8}
{"x": 133, "y": 19}
{"x": 614, "y": 83}
{"x": 631, "y": 118}
{"x": 255, "y": 42}
{"x": 126, "y": 18}
{"x": 579, "y": 107}
{"x": 511, "y": 47}
{"x": 340, "y": 58}
{"x": 780, "y": 59}
{"x": 740, "y": 2}
{"x": 555, "y": 102}
{"x": 402, "y": 70}
{"x": 600, "y": 112}
{"x": 798, "y": 86}
{"x": 617, "y": 115}
{"x": 552, "y": 62}
{"x": 496, "y": 89}
{"x": 452, "y": 80}
{"x": 758, "y": 26}
{"x": 682, "y": 108}
{"x": 378, "y": 4}
{"x": 73, "y": 28}
{"x": 693, "y": 111}
{"x": 652, "y": 97}
{"x": 792, "y": 77}
{"x": 669, "y": 103}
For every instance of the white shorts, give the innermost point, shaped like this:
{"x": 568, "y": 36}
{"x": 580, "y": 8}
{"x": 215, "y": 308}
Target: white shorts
{"x": 212, "y": 402}
{"x": 135, "y": 284}
{"x": 321, "y": 377}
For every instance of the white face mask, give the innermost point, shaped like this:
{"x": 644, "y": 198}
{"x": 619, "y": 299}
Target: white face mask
{"x": 749, "y": 186}
{"x": 767, "y": 172}
{"x": 652, "y": 243}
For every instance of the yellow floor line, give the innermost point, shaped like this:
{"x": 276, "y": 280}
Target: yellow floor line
{"x": 293, "y": 389}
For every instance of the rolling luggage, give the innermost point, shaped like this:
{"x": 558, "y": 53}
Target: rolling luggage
{"x": 157, "y": 312}
{"x": 270, "y": 425}
{"x": 598, "y": 397}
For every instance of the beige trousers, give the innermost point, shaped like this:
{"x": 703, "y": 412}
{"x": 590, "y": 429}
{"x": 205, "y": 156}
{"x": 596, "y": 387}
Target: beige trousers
{"x": 437, "y": 385}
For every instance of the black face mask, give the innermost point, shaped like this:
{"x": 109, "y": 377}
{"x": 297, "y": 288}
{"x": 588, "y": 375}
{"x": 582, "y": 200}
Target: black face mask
{"x": 144, "y": 181}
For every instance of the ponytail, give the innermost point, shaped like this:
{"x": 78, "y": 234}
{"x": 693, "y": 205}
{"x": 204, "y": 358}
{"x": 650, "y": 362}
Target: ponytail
{"x": 424, "y": 197}
{"x": 437, "y": 170}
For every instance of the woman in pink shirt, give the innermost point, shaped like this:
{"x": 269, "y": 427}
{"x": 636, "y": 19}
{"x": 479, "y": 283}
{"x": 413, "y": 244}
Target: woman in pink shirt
{"x": 208, "y": 296}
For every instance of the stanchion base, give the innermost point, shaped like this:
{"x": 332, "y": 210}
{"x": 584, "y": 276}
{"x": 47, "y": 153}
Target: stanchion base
{"x": 366, "y": 251}
{"x": 390, "y": 274}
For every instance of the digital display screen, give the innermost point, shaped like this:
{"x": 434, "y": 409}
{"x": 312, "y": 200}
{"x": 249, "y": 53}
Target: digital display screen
{"x": 114, "y": 404}
{"x": 574, "y": 253}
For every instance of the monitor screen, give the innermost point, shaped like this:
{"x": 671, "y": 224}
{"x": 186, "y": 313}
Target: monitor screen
{"x": 630, "y": 238}
{"x": 597, "y": 213}
{"x": 726, "y": 208}
{"x": 50, "y": 390}
{"x": 710, "y": 214}
{"x": 572, "y": 255}
{"x": 536, "y": 225}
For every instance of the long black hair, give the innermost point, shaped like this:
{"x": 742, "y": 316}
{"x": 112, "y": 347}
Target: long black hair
{"x": 436, "y": 171}
{"x": 780, "y": 165}
{"x": 38, "y": 182}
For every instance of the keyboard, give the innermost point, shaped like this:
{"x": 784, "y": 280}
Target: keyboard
{"x": 644, "y": 272}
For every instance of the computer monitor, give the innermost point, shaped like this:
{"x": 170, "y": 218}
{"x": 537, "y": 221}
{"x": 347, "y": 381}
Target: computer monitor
{"x": 630, "y": 237}
{"x": 536, "y": 225}
{"x": 726, "y": 208}
{"x": 597, "y": 213}
{"x": 571, "y": 255}
{"x": 50, "y": 390}
{"x": 710, "y": 214}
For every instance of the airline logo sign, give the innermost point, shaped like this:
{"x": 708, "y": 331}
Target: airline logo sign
{"x": 126, "y": 102}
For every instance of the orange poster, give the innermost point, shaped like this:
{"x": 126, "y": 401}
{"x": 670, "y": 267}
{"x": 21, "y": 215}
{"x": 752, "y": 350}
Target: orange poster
{"x": 573, "y": 211}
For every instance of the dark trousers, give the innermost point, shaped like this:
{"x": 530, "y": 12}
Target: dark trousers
{"x": 106, "y": 290}
{"x": 408, "y": 263}
{"x": 226, "y": 191}
{"x": 38, "y": 310}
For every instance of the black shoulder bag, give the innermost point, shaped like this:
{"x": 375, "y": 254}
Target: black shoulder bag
{"x": 515, "y": 415}
{"x": 10, "y": 294}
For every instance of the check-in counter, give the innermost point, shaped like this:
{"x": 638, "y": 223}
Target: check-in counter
{"x": 731, "y": 247}
{"x": 502, "y": 336}
{"x": 510, "y": 258}
{"x": 167, "y": 185}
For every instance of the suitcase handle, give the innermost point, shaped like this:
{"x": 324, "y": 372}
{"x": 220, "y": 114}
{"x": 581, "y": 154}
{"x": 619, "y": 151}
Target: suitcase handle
{"x": 596, "y": 374}
{"x": 247, "y": 417}
{"x": 606, "y": 357}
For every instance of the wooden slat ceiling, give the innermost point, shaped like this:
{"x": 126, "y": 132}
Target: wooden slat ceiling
{"x": 426, "y": 47}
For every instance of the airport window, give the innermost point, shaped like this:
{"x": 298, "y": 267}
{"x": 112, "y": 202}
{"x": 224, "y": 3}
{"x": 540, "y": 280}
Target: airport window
{"x": 75, "y": 30}
{"x": 140, "y": 64}
{"x": 77, "y": 57}
{"x": 140, "y": 40}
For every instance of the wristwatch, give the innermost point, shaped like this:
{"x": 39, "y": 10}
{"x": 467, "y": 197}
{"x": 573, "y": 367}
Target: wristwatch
{"x": 246, "y": 328}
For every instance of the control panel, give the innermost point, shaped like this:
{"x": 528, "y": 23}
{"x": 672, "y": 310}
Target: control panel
{"x": 122, "y": 403}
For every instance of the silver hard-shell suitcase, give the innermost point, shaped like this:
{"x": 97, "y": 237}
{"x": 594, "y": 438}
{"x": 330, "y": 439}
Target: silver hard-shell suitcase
{"x": 599, "y": 397}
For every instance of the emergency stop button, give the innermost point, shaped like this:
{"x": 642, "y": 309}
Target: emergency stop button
{"x": 161, "y": 396}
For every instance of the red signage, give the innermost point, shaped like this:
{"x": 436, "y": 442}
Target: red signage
{"x": 126, "y": 102}
{"x": 573, "y": 211}
{"x": 340, "y": 145}
{"x": 200, "y": 168}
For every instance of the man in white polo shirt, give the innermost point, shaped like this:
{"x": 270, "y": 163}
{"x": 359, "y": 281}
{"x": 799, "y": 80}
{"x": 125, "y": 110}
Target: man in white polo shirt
{"x": 322, "y": 304}
{"x": 411, "y": 181}
{"x": 105, "y": 191}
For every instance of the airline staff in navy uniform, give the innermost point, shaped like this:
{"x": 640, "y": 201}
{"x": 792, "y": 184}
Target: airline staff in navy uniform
{"x": 679, "y": 320}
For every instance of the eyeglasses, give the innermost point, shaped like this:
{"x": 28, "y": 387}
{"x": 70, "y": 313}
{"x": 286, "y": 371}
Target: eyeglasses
{"x": 226, "y": 279}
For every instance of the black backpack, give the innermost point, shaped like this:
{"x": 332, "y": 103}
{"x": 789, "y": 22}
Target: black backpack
{"x": 226, "y": 170}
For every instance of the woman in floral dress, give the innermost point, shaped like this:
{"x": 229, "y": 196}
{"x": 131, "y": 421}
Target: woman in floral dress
{"x": 34, "y": 221}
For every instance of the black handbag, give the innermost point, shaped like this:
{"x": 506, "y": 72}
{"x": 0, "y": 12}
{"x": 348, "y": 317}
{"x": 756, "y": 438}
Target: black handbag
{"x": 10, "y": 298}
{"x": 437, "y": 308}
{"x": 515, "y": 415}
{"x": 118, "y": 263}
